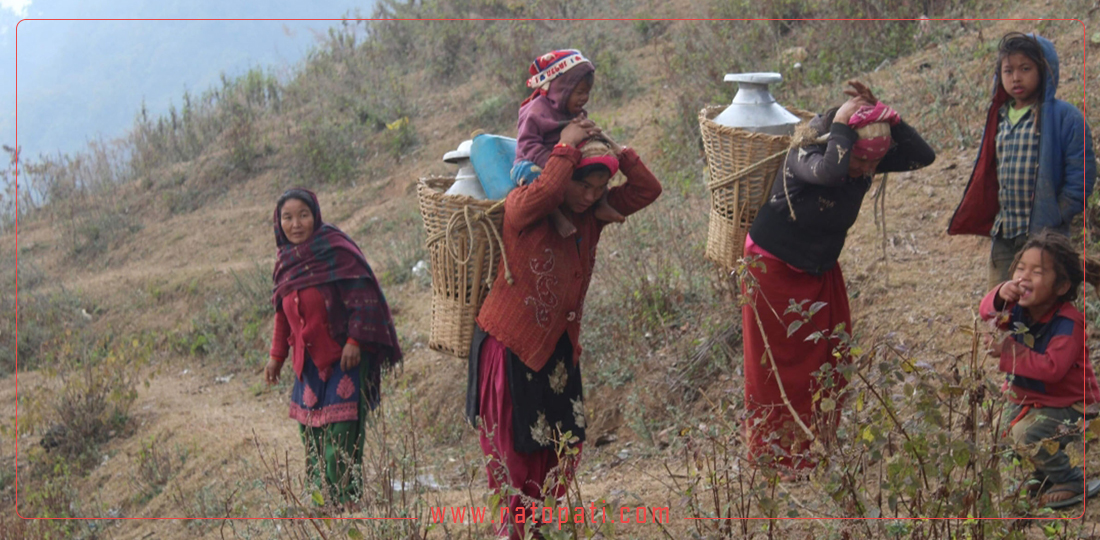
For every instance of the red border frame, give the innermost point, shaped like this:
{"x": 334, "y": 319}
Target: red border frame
{"x": 1085, "y": 207}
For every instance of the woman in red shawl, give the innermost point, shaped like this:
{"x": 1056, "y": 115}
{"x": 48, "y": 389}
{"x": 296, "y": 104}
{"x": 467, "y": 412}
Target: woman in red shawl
{"x": 524, "y": 368}
{"x": 797, "y": 237}
{"x": 331, "y": 312}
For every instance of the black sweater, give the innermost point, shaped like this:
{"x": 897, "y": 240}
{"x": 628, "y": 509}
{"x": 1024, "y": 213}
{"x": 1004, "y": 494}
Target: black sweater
{"x": 825, "y": 199}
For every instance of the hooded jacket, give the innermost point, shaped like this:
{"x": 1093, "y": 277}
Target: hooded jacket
{"x": 1067, "y": 163}
{"x": 543, "y": 117}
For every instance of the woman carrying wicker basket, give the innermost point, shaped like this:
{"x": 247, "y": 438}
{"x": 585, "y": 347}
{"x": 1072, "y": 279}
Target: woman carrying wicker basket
{"x": 524, "y": 373}
{"x": 796, "y": 239}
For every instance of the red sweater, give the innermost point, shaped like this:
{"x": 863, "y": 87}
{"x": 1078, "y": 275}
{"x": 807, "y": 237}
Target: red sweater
{"x": 1053, "y": 370}
{"x": 551, "y": 273}
{"x": 303, "y": 324}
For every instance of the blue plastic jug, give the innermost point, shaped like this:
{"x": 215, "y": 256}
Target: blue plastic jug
{"x": 492, "y": 157}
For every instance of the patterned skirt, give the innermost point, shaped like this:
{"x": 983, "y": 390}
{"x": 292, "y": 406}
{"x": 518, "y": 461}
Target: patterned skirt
{"x": 317, "y": 401}
{"x": 522, "y": 412}
{"x": 332, "y": 414}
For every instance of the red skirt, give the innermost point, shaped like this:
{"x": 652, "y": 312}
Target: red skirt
{"x": 770, "y": 429}
{"x": 525, "y": 472}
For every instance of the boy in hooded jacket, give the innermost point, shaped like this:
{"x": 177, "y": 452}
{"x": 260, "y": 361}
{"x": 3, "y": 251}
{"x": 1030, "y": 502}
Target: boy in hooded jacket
{"x": 1035, "y": 166}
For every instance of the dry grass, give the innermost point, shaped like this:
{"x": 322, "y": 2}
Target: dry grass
{"x": 662, "y": 347}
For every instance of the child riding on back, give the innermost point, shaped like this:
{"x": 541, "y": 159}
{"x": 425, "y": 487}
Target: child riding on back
{"x": 562, "y": 81}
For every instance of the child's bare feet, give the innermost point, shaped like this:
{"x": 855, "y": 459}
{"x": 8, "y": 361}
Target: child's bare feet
{"x": 605, "y": 212}
{"x": 562, "y": 224}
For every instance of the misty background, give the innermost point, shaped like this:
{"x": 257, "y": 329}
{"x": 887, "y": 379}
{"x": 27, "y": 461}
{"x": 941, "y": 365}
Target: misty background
{"x": 80, "y": 80}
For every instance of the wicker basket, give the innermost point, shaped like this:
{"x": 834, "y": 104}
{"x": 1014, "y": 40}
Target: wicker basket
{"x": 741, "y": 167}
{"x": 463, "y": 242}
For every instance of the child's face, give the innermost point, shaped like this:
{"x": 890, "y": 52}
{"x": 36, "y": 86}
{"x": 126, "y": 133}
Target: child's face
{"x": 1020, "y": 78}
{"x": 579, "y": 97}
{"x": 1038, "y": 282}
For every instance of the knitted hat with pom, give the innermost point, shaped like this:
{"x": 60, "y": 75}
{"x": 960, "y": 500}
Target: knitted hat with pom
{"x": 551, "y": 65}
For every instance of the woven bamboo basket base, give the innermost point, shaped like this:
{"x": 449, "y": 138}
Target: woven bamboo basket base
{"x": 726, "y": 239}
{"x": 452, "y": 328}
{"x": 458, "y": 288}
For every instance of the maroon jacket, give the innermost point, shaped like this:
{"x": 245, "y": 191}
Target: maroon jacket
{"x": 1049, "y": 367}
{"x": 551, "y": 273}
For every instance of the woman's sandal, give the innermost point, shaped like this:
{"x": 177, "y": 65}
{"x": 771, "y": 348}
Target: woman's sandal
{"x": 1053, "y": 497}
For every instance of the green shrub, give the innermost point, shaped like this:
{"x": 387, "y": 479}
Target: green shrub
{"x": 401, "y": 137}
{"x": 44, "y": 319}
{"x": 233, "y": 327}
{"x": 327, "y": 150}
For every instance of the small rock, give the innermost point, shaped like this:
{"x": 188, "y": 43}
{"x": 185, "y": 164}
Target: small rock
{"x": 425, "y": 480}
{"x": 224, "y": 379}
{"x": 605, "y": 439}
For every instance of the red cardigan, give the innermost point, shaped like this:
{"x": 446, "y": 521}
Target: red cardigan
{"x": 303, "y": 324}
{"x": 551, "y": 273}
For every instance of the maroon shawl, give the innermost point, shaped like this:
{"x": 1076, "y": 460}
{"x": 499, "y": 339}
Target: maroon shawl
{"x": 331, "y": 257}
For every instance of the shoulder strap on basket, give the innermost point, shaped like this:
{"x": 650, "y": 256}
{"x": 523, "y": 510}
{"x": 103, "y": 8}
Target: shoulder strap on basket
{"x": 468, "y": 218}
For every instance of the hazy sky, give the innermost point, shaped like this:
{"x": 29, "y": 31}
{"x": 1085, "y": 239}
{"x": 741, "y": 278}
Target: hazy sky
{"x": 79, "y": 80}
{"x": 17, "y": 7}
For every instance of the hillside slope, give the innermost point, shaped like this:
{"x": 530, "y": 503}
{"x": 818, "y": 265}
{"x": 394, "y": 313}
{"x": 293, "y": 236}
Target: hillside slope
{"x": 188, "y": 286}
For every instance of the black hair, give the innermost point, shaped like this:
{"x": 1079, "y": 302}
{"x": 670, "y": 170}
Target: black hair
{"x": 1067, "y": 262}
{"x": 589, "y": 77}
{"x": 1020, "y": 43}
{"x": 295, "y": 193}
{"x": 580, "y": 173}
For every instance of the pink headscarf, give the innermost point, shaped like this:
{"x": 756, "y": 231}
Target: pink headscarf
{"x": 872, "y": 123}
{"x": 598, "y": 152}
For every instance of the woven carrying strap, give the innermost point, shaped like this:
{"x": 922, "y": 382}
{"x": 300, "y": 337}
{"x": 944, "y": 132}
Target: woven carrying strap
{"x": 466, "y": 220}
{"x": 731, "y": 178}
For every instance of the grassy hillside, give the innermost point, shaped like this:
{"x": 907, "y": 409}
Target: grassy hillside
{"x": 144, "y": 277}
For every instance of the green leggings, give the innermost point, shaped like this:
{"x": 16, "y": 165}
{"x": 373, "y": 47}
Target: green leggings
{"x": 334, "y": 453}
